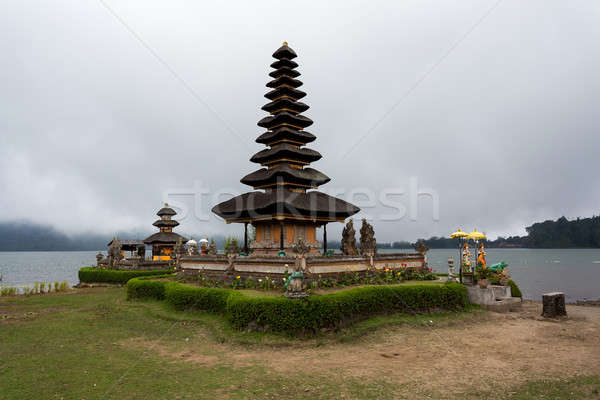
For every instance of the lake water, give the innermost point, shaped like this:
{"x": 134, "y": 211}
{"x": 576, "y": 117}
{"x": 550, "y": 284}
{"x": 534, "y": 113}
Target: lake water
{"x": 573, "y": 271}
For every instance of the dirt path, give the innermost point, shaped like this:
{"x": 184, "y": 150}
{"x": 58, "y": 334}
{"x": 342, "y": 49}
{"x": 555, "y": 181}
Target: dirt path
{"x": 493, "y": 351}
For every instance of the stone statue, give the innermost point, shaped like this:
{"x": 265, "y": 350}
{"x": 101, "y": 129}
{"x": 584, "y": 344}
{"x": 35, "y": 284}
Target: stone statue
{"x": 368, "y": 244}
{"x": 115, "y": 253}
{"x": 421, "y": 247}
{"x": 349, "y": 240}
{"x": 301, "y": 247}
{"x": 99, "y": 259}
{"x": 232, "y": 248}
{"x": 294, "y": 286}
{"x": 179, "y": 251}
{"x": 231, "y": 263}
{"x": 451, "y": 276}
{"x": 212, "y": 247}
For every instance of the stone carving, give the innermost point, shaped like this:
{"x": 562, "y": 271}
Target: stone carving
{"x": 231, "y": 260}
{"x": 232, "y": 248}
{"x": 368, "y": 244}
{"x": 349, "y": 240}
{"x": 99, "y": 259}
{"x": 212, "y": 248}
{"x": 451, "y": 276}
{"x": 115, "y": 253}
{"x": 179, "y": 251}
{"x": 421, "y": 247}
{"x": 301, "y": 247}
{"x": 294, "y": 286}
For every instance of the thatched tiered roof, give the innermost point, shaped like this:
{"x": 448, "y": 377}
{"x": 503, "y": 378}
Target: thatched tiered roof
{"x": 286, "y": 175}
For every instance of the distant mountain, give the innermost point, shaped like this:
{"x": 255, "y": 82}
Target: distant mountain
{"x": 27, "y": 236}
{"x": 562, "y": 233}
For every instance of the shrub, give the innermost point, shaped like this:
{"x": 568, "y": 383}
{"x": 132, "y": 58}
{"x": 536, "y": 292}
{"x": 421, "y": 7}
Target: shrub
{"x": 98, "y": 275}
{"x": 9, "y": 291}
{"x": 514, "y": 289}
{"x": 143, "y": 288}
{"x": 188, "y": 297}
{"x": 280, "y": 314}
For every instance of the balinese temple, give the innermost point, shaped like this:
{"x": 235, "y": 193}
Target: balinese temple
{"x": 285, "y": 205}
{"x": 163, "y": 242}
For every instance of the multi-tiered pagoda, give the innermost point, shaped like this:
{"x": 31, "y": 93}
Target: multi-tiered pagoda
{"x": 163, "y": 242}
{"x": 285, "y": 206}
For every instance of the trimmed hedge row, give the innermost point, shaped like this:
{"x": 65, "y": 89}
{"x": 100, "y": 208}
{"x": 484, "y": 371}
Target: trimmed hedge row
{"x": 280, "y": 314}
{"x": 98, "y": 275}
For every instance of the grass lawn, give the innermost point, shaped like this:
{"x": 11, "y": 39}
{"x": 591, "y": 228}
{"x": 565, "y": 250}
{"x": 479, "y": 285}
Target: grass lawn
{"x": 94, "y": 344}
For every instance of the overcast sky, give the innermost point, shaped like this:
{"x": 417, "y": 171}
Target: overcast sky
{"x": 106, "y": 108}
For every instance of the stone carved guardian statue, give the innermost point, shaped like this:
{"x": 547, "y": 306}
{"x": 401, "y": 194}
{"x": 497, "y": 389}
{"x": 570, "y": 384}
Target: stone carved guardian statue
{"x": 231, "y": 266}
{"x": 115, "y": 254}
{"x": 99, "y": 259}
{"x": 301, "y": 248}
{"x": 422, "y": 248}
{"x": 368, "y": 244}
{"x": 295, "y": 286}
{"x": 349, "y": 240}
{"x": 231, "y": 251}
{"x": 179, "y": 251}
{"x": 212, "y": 248}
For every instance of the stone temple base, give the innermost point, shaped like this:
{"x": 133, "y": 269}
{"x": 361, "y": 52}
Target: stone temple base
{"x": 276, "y": 267}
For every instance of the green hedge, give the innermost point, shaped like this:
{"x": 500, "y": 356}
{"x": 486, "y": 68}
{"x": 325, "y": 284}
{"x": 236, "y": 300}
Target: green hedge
{"x": 145, "y": 288}
{"x": 514, "y": 289}
{"x": 98, "y": 275}
{"x": 280, "y": 314}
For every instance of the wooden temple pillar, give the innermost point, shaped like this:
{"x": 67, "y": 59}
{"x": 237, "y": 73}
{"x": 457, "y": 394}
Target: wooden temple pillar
{"x": 246, "y": 238}
{"x": 281, "y": 236}
{"x": 325, "y": 239}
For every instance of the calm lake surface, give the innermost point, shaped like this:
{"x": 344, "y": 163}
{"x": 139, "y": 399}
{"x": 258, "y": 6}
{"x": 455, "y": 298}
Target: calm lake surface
{"x": 573, "y": 271}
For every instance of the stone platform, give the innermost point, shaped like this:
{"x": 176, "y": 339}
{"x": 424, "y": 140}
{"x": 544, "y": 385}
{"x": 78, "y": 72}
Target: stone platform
{"x": 494, "y": 298}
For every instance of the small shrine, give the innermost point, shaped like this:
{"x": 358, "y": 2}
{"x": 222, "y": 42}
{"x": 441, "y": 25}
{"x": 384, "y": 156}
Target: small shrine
{"x": 285, "y": 206}
{"x": 163, "y": 242}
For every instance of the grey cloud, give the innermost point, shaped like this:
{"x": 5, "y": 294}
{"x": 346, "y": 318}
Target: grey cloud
{"x": 93, "y": 129}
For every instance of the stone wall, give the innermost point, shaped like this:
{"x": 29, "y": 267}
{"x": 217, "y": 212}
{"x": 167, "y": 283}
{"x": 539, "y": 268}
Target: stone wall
{"x": 274, "y": 267}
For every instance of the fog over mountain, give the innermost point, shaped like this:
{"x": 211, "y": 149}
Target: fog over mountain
{"x": 489, "y": 109}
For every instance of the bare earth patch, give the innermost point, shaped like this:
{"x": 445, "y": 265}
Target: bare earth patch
{"x": 495, "y": 351}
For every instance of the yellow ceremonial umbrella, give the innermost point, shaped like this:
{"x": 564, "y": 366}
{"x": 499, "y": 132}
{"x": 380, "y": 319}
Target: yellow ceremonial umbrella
{"x": 475, "y": 235}
{"x": 458, "y": 234}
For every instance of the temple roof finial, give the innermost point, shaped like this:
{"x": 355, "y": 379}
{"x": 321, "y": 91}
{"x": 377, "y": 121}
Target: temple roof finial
{"x": 284, "y": 44}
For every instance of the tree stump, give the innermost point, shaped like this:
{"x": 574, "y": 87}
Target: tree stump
{"x": 554, "y": 305}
